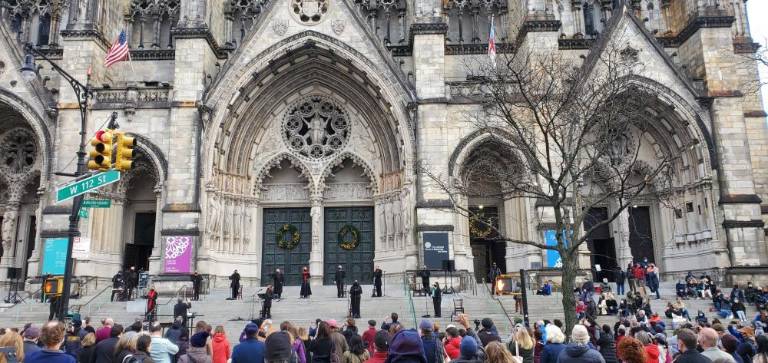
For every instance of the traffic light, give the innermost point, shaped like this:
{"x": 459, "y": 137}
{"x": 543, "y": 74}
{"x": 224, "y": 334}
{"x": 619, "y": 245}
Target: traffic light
{"x": 124, "y": 153}
{"x": 101, "y": 155}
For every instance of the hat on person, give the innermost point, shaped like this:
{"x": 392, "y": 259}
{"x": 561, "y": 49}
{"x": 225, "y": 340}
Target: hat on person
{"x": 425, "y": 325}
{"x": 77, "y": 323}
{"x": 278, "y": 347}
{"x": 199, "y": 339}
{"x": 32, "y": 332}
{"x": 332, "y": 323}
{"x": 468, "y": 347}
{"x": 579, "y": 334}
{"x": 407, "y": 345}
{"x": 251, "y": 329}
{"x": 487, "y": 323}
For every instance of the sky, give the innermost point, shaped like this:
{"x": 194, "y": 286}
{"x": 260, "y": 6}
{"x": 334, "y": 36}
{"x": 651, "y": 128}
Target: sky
{"x": 757, "y": 10}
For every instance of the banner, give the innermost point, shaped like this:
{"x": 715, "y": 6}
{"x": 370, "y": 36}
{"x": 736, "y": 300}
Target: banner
{"x": 54, "y": 255}
{"x": 178, "y": 254}
{"x": 435, "y": 249}
{"x": 553, "y": 257}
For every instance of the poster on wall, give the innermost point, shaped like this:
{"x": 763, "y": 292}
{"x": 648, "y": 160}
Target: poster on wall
{"x": 553, "y": 257}
{"x": 178, "y": 254}
{"x": 81, "y": 248}
{"x": 435, "y": 249}
{"x": 54, "y": 255}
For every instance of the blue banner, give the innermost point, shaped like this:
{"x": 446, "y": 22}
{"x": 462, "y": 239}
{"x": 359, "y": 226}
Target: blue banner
{"x": 435, "y": 249}
{"x": 553, "y": 257}
{"x": 54, "y": 255}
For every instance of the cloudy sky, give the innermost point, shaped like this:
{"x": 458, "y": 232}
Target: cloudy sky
{"x": 758, "y": 23}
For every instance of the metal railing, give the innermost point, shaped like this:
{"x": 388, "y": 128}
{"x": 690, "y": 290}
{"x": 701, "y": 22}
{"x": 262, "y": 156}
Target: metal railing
{"x": 96, "y": 301}
{"x": 499, "y": 303}
{"x": 409, "y": 295}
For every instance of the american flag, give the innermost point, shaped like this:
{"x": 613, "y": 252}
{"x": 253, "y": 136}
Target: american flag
{"x": 492, "y": 44}
{"x": 118, "y": 52}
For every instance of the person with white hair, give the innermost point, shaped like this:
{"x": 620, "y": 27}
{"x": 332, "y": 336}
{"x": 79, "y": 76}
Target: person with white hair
{"x": 555, "y": 340}
{"x": 579, "y": 351}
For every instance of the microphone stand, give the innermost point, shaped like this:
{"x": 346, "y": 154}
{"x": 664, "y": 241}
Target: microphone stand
{"x": 253, "y": 304}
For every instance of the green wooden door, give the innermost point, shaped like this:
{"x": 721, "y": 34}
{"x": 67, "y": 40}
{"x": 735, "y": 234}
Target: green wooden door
{"x": 289, "y": 261}
{"x": 358, "y": 262}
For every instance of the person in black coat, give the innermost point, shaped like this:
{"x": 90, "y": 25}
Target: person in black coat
{"x": 277, "y": 282}
{"x": 607, "y": 345}
{"x": 377, "y": 274}
{"x": 424, "y": 274}
{"x": 118, "y": 284}
{"x": 131, "y": 280}
{"x": 180, "y": 310}
{"x": 355, "y": 292}
{"x": 235, "y": 284}
{"x": 437, "y": 299}
{"x": 338, "y": 278}
{"x": 266, "y": 311}
{"x": 197, "y": 284}
{"x": 620, "y": 276}
{"x": 105, "y": 349}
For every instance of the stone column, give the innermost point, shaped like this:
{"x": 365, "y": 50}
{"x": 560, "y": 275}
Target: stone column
{"x": 157, "y": 258}
{"x": 316, "y": 255}
{"x": 620, "y": 228}
{"x": 9, "y": 230}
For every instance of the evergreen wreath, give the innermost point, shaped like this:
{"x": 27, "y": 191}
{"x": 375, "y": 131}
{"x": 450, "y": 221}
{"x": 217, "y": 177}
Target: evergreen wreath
{"x": 349, "y": 237}
{"x": 293, "y": 233}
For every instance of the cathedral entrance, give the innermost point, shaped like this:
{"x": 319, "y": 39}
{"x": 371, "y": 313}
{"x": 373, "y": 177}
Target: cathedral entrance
{"x": 640, "y": 235}
{"x": 486, "y": 250}
{"x": 138, "y": 251}
{"x": 287, "y": 241}
{"x": 601, "y": 245}
{"x": 349, "y": 243}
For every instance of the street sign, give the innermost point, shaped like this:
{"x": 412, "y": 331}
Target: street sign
{"x": 83, "y": 213}
{"x": 79, "y": 187}
{"x": 96, "y": 203}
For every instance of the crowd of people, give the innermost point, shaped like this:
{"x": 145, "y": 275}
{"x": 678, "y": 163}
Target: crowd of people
{"x": 630, "y": 340}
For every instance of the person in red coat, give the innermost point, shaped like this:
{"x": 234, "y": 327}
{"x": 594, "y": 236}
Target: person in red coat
{"x": 452, "y": 342}
{"x": 305, "y": 289}
{"x": 151, "y": 304}
{"x": 382, "y": 347}
{"x": 369, "y": 337}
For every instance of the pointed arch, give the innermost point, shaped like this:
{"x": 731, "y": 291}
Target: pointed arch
{"x": 39, "y": 125}
{"x": 357, "y": 160}
{"x": 274, "y": 162}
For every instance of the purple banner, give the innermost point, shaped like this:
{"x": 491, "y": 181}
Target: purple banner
{"x": 178, "y": 254}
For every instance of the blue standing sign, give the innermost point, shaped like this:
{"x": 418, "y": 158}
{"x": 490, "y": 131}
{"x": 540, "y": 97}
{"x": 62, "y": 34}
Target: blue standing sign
{"x": 435, "y": 249}
{"x": 54, "y": 255}
{"x": 553, "y": 257}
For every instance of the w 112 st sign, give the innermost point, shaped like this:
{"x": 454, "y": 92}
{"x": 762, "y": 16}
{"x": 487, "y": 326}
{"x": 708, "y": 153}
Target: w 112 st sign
{"x": 83, "y": 186}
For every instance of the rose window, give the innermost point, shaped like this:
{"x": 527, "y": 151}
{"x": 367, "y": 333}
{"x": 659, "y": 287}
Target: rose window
{"x": 316, "y": 128}
{"x": 18, "y": 151}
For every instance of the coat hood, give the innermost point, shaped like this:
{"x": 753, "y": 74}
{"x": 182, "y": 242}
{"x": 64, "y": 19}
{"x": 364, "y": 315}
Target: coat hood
{"x": 576, "y": 350}
{"x": 219, "y": 338}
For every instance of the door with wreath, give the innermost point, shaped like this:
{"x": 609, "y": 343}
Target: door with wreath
{"x": 286, "y": 243}
{"x": 348, "y": 242}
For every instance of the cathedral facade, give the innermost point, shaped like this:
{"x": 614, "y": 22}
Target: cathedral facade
{"x": 292, "y": 133}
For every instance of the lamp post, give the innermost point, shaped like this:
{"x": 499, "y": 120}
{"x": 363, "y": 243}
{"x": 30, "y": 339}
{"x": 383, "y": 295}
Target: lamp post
{"x": 82, "y": 93}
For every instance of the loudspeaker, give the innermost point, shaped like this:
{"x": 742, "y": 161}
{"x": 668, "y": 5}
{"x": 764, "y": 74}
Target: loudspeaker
{"x": 449, "y": 265}
{"x": 14, "y": 273}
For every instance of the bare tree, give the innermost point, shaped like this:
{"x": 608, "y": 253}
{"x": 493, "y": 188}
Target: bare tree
{"x": 572, "y": 133}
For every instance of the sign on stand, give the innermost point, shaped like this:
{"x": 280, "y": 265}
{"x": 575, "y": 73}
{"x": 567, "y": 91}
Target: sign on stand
{"x": 83, "y": 186}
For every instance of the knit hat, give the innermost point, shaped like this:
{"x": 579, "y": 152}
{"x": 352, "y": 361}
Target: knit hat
{"x": 487, "y": 323}
{"x": 198, "y": 339}
{"x": 468, "y": 347}
{"x": 579, "y": 334}
{"x": 32, "y": 332}
{"x": 251, "y": 329}
{"x": 406, "y": 345}
{"x": 425, "y": 324}
{"x": 332, "y": 323}
{"x": 278, "y": 347}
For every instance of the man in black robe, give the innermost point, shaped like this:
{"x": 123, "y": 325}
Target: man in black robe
{"x": 355, "y": 292}
{"x": 424, "y": 274}
{"x": 377, "y": 273}
{"x": 118, "y": 286}
{"x": 235, "y": 284}
{"x": 338, "y": 278}
{"x": 277, "y": 282}
{"x": 131, "y": 280}
{"x": 197, "y": 284}
{"x": 437, "y": 299}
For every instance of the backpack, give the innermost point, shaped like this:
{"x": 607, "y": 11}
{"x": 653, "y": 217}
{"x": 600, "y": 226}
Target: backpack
{"x": 130, "y": 358}
{"x": 10, "y": 354}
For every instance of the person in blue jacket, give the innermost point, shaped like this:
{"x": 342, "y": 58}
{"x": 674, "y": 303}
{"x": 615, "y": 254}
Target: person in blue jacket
{"x": 52, "y": 336}
{"x": 251, "y": 350}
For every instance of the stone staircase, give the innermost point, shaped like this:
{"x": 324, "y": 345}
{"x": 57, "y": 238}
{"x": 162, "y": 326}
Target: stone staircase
{"x": 233, "y": 315}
